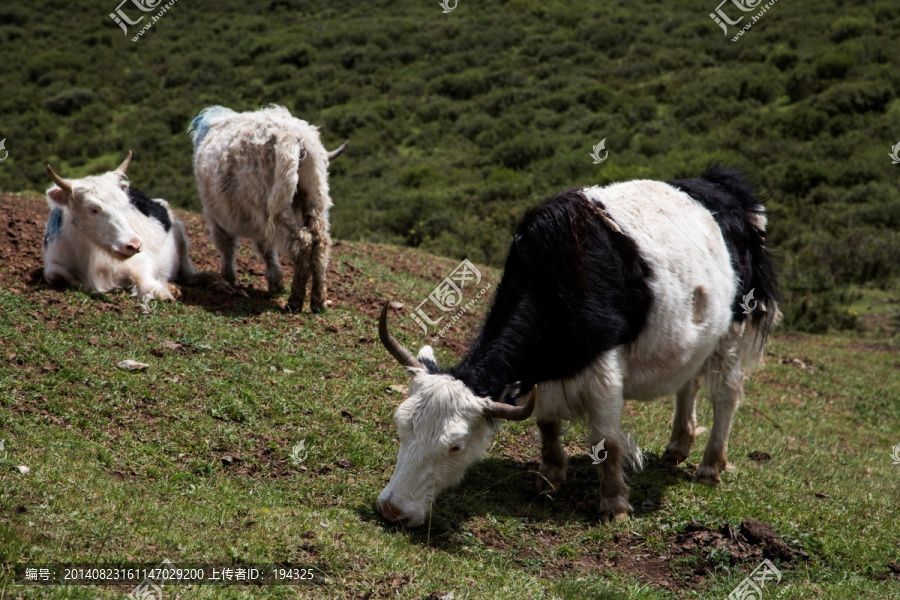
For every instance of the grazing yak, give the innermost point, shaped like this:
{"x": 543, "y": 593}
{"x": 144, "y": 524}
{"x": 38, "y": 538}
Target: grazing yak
{"x": 104, "y": 235}
{"x": 635, "y": 290}
{"x": 263, "y": 175}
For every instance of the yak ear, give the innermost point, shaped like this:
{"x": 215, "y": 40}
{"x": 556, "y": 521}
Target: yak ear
{"x": 426, "y": 357}
{"x": 427, "y": 353}
{"x": 59, "y": 196}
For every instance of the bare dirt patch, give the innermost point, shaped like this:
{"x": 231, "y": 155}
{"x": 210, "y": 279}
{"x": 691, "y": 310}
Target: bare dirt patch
{"x": 22, "y": 220}
{"x": 750, "y": 543}
{"x": 689, "y": 558}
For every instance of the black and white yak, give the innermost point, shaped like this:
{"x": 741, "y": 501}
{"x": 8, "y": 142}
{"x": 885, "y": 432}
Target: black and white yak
{"x": 103, "y": 235}
{"x": 635, "y": 290}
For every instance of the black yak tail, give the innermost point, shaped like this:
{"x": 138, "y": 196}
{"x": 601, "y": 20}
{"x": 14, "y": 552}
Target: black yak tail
{"x": 735, "y": 205}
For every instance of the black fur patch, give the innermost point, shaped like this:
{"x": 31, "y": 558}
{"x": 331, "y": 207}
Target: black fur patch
{"x": 572, "y": 289}
{"x": 731, "y": 200}
{"x": 150, "y": 208}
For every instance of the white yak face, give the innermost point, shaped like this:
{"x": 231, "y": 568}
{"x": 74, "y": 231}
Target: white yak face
{"x": 442, "y": 431}
{"x": 99, "y": 207}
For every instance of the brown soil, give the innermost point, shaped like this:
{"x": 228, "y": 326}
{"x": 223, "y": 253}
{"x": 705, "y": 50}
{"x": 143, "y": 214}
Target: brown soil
{"x": 22, "y": 220}
{"x": 21, "y": 235}
{"x": 690, "y": 556}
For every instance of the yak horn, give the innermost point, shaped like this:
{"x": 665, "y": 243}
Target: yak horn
{"x": 337, "y": 151}
{"x": 501, "y": 410}
{"x": 62, "y": 183}
{"x": 124, "y": 166}
{"x": 403, "y": 356}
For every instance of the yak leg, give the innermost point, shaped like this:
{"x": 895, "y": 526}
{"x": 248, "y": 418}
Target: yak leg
{"x": 606, "y": 399}
{"x": 58, "y": 276}
{"x": 321, "y": 252}
{"x": 274, "y": 275}
{"x": 299, "y": 247}
{"x": 226, "y": 244}
{"x": 726, "y": 390}
{"x": 186, "y": 270}
{"x": 684, "y": 424}
{"x": 613, "y": 489}
{"x": 552, "y": 471}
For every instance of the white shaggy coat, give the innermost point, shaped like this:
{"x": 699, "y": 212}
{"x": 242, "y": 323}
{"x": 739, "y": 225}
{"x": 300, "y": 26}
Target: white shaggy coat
{"x": 253, "y": 184}
{"x": 94, "y": 246}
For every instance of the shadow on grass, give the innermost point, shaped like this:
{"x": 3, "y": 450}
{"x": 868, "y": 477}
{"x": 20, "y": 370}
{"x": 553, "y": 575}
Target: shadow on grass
{"x": 504, "y": 488}
{"x": 255, "y": 303}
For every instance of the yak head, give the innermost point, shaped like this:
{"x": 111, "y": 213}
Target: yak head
{"x": 99, "y": 207}
{"x": 443, "y": 427}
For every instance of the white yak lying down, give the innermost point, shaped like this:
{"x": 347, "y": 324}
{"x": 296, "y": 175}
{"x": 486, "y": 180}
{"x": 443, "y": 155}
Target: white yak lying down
{"x": 102, "y": 235}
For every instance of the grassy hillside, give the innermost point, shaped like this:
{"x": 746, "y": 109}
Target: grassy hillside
{"x": 191, "y": 459}
{"x": 459, "y": 122}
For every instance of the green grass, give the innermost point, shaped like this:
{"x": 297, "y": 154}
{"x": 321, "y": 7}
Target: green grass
{"x": 129, "y": 465}
{"x": 460, "y": 122}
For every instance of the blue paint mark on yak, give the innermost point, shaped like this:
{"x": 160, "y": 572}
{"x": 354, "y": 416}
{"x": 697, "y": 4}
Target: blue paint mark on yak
{"x": 201, "y": 123}
{"x": 54, "y": 226}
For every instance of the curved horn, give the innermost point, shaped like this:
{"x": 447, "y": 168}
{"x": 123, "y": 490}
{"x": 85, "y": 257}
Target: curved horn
{"x": 501, "y": 410}
{"x": 62, "y": 183}
{"x": 124, "y": 166}
{"x": 403, "y": 356}
{"x": 337, "y": 151}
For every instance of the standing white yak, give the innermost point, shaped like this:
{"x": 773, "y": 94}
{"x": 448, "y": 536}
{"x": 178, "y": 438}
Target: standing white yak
{"x": 263, "y": 175}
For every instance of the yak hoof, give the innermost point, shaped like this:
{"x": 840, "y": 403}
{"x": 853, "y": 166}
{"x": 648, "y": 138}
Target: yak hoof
{"x": 614, "y": 509}
{"x": 549, "y": 479}
{"x": 174, "y": 292}
{"x": 708, "y": 474}
{"x": 294, "y": 305}
{"x": 223, "y": 287}
{"x": 673, "y": 457}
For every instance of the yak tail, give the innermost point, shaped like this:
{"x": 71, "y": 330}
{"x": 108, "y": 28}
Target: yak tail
{"x": 735, "y": 204}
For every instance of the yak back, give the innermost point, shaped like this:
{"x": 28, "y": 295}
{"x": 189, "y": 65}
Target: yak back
{"x": 572, "y": 289}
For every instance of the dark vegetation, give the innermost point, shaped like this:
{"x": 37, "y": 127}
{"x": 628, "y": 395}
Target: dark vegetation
{"x": 460, "y": 122}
